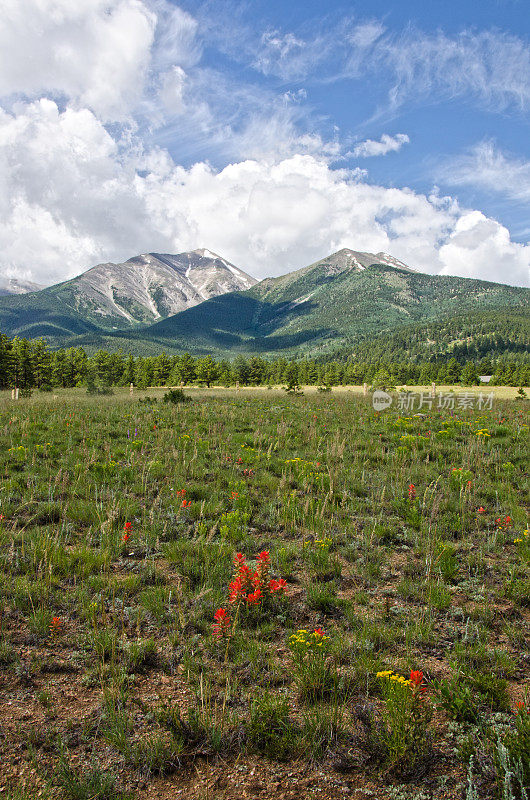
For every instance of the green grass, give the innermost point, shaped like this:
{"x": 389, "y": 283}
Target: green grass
{"x": 107, "y": 649}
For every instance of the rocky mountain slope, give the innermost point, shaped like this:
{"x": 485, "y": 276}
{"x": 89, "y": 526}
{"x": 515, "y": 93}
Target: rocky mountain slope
{"x": 10, "y": 286}
{"x": 344, "y": 299}
{"x": 109, "y": 296}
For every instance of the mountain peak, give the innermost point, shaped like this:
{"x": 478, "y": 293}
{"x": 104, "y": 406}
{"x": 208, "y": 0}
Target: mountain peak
{"x": 360, "y": 259}
{"x": 204, "y": 253}
{"x": 143, "y": 289}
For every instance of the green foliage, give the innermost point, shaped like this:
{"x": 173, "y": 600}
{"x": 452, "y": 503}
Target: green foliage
{"x": 176, "y": 396}
{"x": 123, "y": 520}
{"x": 270, "y": 731}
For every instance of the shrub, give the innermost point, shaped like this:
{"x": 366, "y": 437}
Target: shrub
{"x": 456, "y": 699}
{"x": 176, "y": 396}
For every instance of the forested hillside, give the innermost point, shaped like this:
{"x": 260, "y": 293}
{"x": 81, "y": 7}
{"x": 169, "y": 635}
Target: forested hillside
{"x": 31, "y": 364}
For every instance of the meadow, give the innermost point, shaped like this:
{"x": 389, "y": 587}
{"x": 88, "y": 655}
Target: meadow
{"x": 252, "y": 594}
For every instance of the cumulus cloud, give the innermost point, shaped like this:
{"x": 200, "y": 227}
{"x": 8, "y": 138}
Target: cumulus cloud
{"x": 488, "y": 167}
{"x": 481, "y": 247}
{"x": 386, "y": 144}
{"x": 77, "y": 190}
{"x": 94, "y": 52}
{"x": 67, "y": 197}
{"x": 74, "y": 197}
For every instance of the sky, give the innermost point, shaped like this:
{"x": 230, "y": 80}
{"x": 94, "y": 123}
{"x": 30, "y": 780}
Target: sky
{"x": 272, "y": 133}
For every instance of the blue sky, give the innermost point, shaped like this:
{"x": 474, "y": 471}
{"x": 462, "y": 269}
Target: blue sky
{"x": 444, "y": 121}
{"x": 270, "y": 132}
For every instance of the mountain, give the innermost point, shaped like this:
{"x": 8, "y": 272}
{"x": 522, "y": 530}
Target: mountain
{"x": 111, "y": 296}
{"x": 337, "y": 303}
{"x": 9, "y": 286}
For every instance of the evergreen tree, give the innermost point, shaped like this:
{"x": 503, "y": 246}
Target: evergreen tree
{"x": 207, "y": 370}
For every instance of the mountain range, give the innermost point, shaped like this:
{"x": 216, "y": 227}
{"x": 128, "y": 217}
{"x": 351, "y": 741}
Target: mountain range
{"x": 200, "y": 303}
{"x": 112, "y": 296}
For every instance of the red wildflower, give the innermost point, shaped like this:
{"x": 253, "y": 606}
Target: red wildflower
{"x": 278, "y": 586}
{"x": 127, "y": 527}
{"x": 412, "y": 492}
{"x": 481, "y": 510}
{"x": 185, "y": 504}
{"x": 255, "y": 597}
{"x": 125, "y": 538}
{"x": 416, "y": 679}
{"x": 55, "y": 626}
{"x": 235, "y": 590}
{"x": 221, "y": 626}
{"x": 319, "y": 631}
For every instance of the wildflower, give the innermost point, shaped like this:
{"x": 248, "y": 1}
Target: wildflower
{"x": 55, "y": 626}
{"x": 412, "y": 492}
{"x": 234, "y": 495}
{"x": 416, "y": 677}
{"x": 481, "y": 510}
{"x": 262, "y": 570}
{"x": 127, "y": 527}
{"x": 255, "y": 597}
{"x": 235, "y": 590}
{"x": 221, "y": 626}
{"x": 416, "y": 680}
{"x": 125, "y": 538}
{"x": 185, "y": 504}
{"x": 253, "y": 586}
{"x": 503, "y": 523}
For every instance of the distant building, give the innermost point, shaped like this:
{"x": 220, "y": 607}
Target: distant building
{"x": 485, "y": 378}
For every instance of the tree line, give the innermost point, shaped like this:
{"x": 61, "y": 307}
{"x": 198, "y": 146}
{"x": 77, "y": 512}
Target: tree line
{"x": 30, "y": 364}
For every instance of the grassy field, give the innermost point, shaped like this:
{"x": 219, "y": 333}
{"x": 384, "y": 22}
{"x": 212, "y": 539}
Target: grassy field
{"x": 254, "y": 595}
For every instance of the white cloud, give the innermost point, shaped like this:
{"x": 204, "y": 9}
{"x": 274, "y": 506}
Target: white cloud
{"x": 74, "y": 192}
{"x": 481, "y": 247}
{"x": 492, "y": 67}
{"x": 177, "y": 40}
{"x": 487, "y": 167}
{"x": 172, "y": 90}
{"x": 94, "y": 52}
{"x": 386, "y": 144}
{"x": 73, "y": 197}
{"x": 291, "y": 57}
{"x": 66, "y": 197}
